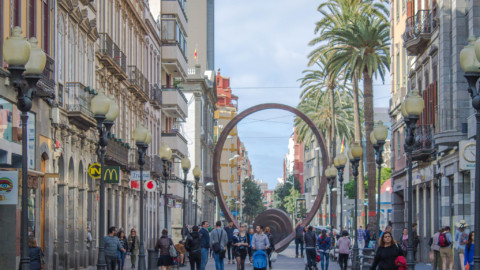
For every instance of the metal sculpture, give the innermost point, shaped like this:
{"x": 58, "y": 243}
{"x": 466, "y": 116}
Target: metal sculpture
{"x": 276, "y": 219}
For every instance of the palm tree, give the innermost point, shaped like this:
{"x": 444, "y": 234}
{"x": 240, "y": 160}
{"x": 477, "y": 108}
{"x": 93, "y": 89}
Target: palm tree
{"x": 362, "y": 49}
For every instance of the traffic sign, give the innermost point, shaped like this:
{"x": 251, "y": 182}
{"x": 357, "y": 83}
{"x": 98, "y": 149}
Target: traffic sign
{"x": 150, "y": 185}
{"x": 95, "y": 170}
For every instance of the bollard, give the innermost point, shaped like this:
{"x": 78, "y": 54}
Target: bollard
{"x": 152, "y": 259}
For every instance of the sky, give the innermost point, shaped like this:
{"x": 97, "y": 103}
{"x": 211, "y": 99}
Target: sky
{"x": 262, "y": 45}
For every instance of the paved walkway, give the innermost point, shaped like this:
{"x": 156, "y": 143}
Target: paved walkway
{"x": 286, "y": 261}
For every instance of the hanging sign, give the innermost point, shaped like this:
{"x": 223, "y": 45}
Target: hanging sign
{"x": 150, "y": 185}
{"x": 112, "y": 174}
{"x": 95, "y": 171}
{"x": 135, "y": 175}
{"x": 8, "y": 187}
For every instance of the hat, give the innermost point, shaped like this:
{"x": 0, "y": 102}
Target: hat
{"x": 236, "y": 231}
{"x": 461, "y": 224}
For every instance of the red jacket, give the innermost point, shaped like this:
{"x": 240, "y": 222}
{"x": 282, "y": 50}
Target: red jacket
{"x": 401, "y": 263}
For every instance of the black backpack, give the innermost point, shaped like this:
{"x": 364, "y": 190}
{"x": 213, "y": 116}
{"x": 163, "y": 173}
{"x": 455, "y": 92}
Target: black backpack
{"x": 192, "y": 244}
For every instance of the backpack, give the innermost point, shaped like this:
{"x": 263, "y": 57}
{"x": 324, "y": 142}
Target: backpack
{"x": 443, "y": 241}
{"x": 463, "y": 239}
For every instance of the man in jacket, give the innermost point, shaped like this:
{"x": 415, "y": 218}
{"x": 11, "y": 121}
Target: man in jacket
{"x": 205, "y": 243}
{"x": 299, "y": 239}
{"x": 229, "y": 230}
{"x": 193, "y": 245}
{"x": 111, "y": 246}
{"x": 219, "y": 237}
{"x": 310, "y": 243}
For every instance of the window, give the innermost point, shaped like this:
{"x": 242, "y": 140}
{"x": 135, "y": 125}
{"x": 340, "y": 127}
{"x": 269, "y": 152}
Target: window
{"x": 46, "y": 27}
{"x": 31, "y": 19}
{"x": 81, "y": 59}
{"x": 90, "y": 73}
{"x": 398, "y": 73}
{"x": 17, "y": 13}
{"x": 399, "y": 145}
{"x": 61, "y": 47}
{"x": 71, "y": 54}
{"x": 404, "y": 67}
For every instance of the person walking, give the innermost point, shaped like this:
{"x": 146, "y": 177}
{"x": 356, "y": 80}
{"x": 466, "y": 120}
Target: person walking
{"x": 111, "y": 246}
{"x": 229, "y": 230}
{"x": 122, "y": 253}
{"x": 469, "y": 250}
{"x": 271, "y": 248}
{"x": 403, "y": 241}
{"x": 251, "y": 233}
{"x": 205, "y": 243}
{"x": 133, "y": 244}
{"x": 299, "y": 240}
{"x": 35, "y": 254}
{"x": 344, "y": 244}
{"x": 461, "y": 239}
{"x": 219, "y": 241}
{"x": 310, "y": 240}
{"x": 241, "y": 243}
{"x": 387, "y": 229}
{"x": 386, "y": 254}
{"x": 193, "y": 245}
{"x": 435, "y": 257}
{"x": 361, "y": 237}
{"x": 445, "y": 243}
{"x": 416, "y": 240}
{"x": 324, "y": 243}
{"x": 260, "y": 240}
{"x": 89, "y": 238}
{"x": 185, "y": 232}
{"x": 163, "y": 245}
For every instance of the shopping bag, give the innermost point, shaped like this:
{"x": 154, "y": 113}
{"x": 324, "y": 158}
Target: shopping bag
{"x": 273, "y": 256}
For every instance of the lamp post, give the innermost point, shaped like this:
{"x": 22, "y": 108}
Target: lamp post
{"x": 142, "y": 138}
{"x": 411, "y": 108}
{"x": 355, "y": 153}
{"x": 166, "y": 156}
{"x": 330, "y": 173}
{"x": 470, "y": 64}
{"x": 186, "y": 167}
{"x": 26, "y": 62}
{"x": 377, "y": 138}
{"x": 339, "y": 161}
{"x": 105, "y": 111}
{"x": 196, "y": 174}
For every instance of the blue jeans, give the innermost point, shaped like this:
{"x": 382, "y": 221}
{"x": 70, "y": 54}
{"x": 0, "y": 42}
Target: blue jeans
{"x": 205, "y": 252}
{"x": 121, "y": 258}
{"x": 325, "y": 258}
{"x": 218, "y": 262}
{"x": 298, "y": 241}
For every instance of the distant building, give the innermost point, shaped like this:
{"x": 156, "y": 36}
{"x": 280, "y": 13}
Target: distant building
{"x": 293, "y": 162}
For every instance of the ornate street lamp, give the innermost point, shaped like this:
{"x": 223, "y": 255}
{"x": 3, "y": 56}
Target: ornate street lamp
{"x": 330, "y": 173}
{"x": 105, "y": 111}
{"x": 377, "y": 137}
{"x": 142, "y": 138}
{"x": 197, "y": 173}
{"x": 186, "y": 167}
{"x": 355, "y": 154}
{"x": 26, "y": 62}
{"x": 469, "y": 60}
{"x": 339, "y": 161}
{"x": 166, "y": 156}
{"x": 411, "y": 109}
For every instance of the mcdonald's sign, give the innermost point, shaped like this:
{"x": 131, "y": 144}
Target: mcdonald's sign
{"x": 112, "y": 174}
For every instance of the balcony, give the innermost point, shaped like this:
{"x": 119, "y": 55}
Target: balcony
{"x": 176, "y": 8}
{"x": 156, "y": 96}
{"x": 156, "y": 165}
{"x": 424, "y": 147}
{"x": 174, "y": 103}
{"x": 77, "y": 106}
{"x": 174, "y": 60}
{"x": 117, "y": 152}
{"x": 112, "y": 57}
{"x": 418, "y": 31}
{"x": 450, "y": 125}
{"x": 138, "y": 83}
{"x": 47, "y": 82}
{"x": 177, "y": 143}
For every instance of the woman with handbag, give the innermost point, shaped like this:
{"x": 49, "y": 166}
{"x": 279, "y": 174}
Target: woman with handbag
{"x": 241, "y": 242}
{"x": 36, "y": 255}
{"x": 133, "y": 244}
{"x": 387, "y": 253}
{"x": 469, "y": 248}
{"x": 163, "y": 244}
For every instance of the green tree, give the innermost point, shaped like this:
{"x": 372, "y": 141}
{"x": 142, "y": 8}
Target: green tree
{"x": 252, "y": 200}
{"x": 349, "y": 188}
{"x": 291, "y": 200}
{"x": 279, "y": 194}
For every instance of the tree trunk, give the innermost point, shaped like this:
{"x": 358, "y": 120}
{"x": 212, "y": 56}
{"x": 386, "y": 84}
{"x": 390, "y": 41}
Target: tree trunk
{"x": 371, "y": 175}
{"x": 333, "y": 151}
{"x": 358, "y": 138}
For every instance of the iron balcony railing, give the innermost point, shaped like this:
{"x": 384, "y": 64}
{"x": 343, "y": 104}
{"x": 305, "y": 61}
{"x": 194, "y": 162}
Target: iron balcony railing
{"x": 156, "y": 93}
{"x": 117, "y": 152}
{"x": 48, "y": 75}
{"x": 110, "y": 49}
{"x": 78, "y": 99}
{"x": 136, "y": 78}
{"x": 424, "y": 142}
{"x": 421, "y": 23}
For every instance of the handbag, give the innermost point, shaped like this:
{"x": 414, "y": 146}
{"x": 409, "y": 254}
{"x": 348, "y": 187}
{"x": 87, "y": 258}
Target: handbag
{"x": 216, "y": 246}
{"x": 467, "y": 267}
{"x": 173, "y": 251}
{"x": 273, "y": 256}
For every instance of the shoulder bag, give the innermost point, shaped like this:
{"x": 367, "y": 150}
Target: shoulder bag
{"x": 172, "y": 250}
{"x": 216, "y": 246}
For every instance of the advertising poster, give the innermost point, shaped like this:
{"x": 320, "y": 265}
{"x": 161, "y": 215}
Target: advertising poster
{"x": 8, "y": 187}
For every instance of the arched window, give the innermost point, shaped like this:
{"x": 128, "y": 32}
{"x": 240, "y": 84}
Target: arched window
{"x": 71, "y": 54}
{"x": 90, "y": 71}
{"x": 81, "y": 59}
{"x": 61, "y": 47}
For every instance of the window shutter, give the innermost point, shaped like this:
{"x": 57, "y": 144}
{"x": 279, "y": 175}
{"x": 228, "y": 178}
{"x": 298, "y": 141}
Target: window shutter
{"x": 409, "y": 8}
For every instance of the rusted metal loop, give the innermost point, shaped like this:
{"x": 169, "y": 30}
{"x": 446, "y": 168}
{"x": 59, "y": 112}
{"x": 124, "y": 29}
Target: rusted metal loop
{"x": 216, "y": 170}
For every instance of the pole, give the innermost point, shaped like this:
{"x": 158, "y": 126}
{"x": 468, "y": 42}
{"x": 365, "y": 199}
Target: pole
{"x": 340, "y": 179}
{"x": 185, "y": 172}
{"x": 142, "y": 147}
{"x": 25, "y": 259}
{"x": 355, "y": 242}
{"x": 410, "y": 122}
{"x": 196, "y": 198}
{"x": 472, "y": 78}
{"x": 379, "y": 152}
{"x": 165, "y": 205}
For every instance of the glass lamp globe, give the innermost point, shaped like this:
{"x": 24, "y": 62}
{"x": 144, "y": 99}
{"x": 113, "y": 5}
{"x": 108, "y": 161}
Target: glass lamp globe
{"x": 165, "y": 152}
{"x": 100, "y": 104}
{"x": 372, "y": 138}
{"x": 469, "y": 57}
{"x": 342, "y": 159}
{"x": 148, "y": 140}
{"x": 140, "y": 134}
{"x": 197, "y": 172}
{"x": 16, "y": 49}
{"x": 380, "y": 131}
{"x": 38, "y": 59}
{"x": 113, "y": 111}
{"x": 350, "y": 156}
{"x": 186, "y": 164}
{"x": 357, "y": 150}
{"x": 414, "y": 104}
{"x": 403, "y": 110}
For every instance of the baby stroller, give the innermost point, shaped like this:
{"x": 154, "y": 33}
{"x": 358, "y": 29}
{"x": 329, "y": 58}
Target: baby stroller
{"x": 260, "y": 260}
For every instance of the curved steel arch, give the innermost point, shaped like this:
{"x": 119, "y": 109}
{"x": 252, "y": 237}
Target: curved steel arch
{"x": 277, "y": 215}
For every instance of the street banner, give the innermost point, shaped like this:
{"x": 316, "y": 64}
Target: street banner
{"x": 135, "y": 175}
{"x": 112, "y": 174}
{"x": 8, "y": 187}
